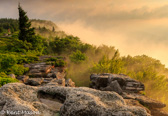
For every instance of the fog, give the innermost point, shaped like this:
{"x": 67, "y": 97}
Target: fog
{"x": 132, "y": 26}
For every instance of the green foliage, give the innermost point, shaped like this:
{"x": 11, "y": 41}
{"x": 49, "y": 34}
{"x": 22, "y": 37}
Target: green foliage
{"x": 7, "y": 61}
{"x": 2, "y": 74}
{"x": 5, "y": 80}
{"x": 18, "y": 70}
{"x": 77, "y": 57}
{"x": 7, "y": 25}
{"x": 106, "y": 65}
{"x": 60, "y": 63}
{"x": 18, "y": 46}
{"x": 13, "y": 63}
{"x": 67, "y": 45}
{"x": 26, "y": 32}
{"x": 27, "y": 59}
{"x": 57, "y": 62}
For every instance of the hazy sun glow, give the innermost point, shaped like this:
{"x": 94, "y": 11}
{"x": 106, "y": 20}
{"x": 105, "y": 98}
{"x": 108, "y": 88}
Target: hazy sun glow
{"x": 134, "y": 27}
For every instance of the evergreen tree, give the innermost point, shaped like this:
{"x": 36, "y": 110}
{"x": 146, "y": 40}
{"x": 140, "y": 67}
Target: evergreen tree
{"x": 26, "y": 32}
{"x": 53, "y": 29}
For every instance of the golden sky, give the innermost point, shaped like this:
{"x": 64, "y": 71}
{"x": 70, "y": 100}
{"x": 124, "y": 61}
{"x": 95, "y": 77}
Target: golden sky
{"x": 134, "y": 27}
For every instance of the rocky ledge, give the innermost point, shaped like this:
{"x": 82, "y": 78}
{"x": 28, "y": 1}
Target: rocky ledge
{"x": 129, "y": 89}
{"x": 71, "y": 101}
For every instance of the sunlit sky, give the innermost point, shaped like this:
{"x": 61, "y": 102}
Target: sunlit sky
{"x": 134, "y": 27}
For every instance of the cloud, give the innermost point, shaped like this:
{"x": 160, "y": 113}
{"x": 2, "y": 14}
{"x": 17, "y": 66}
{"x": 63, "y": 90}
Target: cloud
{"x": 135, "y": 27}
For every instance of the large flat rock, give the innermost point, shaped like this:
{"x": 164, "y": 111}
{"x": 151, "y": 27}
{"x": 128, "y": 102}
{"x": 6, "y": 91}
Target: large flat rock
{"x": 80, "y": 101}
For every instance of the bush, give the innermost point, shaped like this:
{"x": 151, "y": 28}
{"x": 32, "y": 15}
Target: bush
{"x": 77, "y": 57}
{"x": 60, "y": 63}
{"x": 106, "y": 65}
{"x": 4, "y": 81}
{"x": 56, "y": 62}
{"x": 17, "y": 69}
{"x": 2, "y": 74}
{"x": 7, "y": 61}
{"x": 27, "y": 59}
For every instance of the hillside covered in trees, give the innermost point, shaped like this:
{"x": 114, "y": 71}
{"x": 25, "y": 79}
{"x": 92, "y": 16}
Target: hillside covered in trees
{"x": 82, "y": 59}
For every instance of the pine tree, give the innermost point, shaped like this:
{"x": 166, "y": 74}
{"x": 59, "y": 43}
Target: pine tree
{"x": 53, "y": 29}
{"x": 26, "y": 32}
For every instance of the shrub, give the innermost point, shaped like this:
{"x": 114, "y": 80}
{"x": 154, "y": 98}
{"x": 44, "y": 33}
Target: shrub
{"x": 2, "y": 74}
{"x": 4, "y": 81}
{"x": 18, "y": 69}
{"x": 56, "y": 62}
{"x": 60, "y": 63}
{"x": 27, "y": 59}
{"x": 77, "y": 57}
{"x": 8, "y": 61}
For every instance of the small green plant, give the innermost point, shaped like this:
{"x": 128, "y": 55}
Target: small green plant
{"x": 27, "y": 59}
{"x": 60, "y": 63}
{"x": 4, "y": 81}
{"x": 143, "y": 92}
{"x": 2, "y": 74}
{"x": 18, "y": 69}
{"x": 77, "y": 57}
{"x": 8, "y": 61}
{"x": 56, "y": 62}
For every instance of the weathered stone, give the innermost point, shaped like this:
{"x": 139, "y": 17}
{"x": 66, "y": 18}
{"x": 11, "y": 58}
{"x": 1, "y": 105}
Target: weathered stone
{"x": 69, "y": 83}
{"x": 98, "y": 82}
{"x": 158, "y": 112}
{"x": 23, "y": 78}
{"x": 125, "y": 82}
{"x": 12, "y": 76}
{"x": 132, "y": 102}
{"x": 80, "y": 101}
{"x": 34, "y": 81}
{"x": 89, "y": 102}
{"x": 113, "y": 86}
{"x": 36, "y": 75}
{"x": 56, "y": 82}
{"x": 150, "y": 102}
{"x": 20, "y": 97}
{"x": 39, "y": 69}
{"x": 2, "y": 103}
{"x": 49, "y": 75}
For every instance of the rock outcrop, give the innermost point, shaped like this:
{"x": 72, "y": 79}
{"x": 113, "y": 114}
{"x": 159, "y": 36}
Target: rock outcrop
{"x": 106, "y": 82}
{"x": 129, "y": 89}
{"x": 82, "y": 101}
{"x": 20, "y": 97}
{"x": 42, "y": 73}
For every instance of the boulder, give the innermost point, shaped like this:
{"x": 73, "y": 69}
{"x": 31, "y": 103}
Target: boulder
{"x": 132, "y": 102}
{"x": 125, "y": 82}
{"x": 80, "y": 101}
{"x": 20, "y": 97}
{"x": 69, "y": 83}
{"x": 39, "y": 69}
{"x": 113, "y": 86}
{"x": 23, "y": 78}
{"x": 34, "y": 81}
{"x": 158, "y": 112}
{"x": 98, "y": 81}
{"x": 83, "y": 101}
{"x": 12, "y": 76}
{"x": 56, "y": 82}
{"x": 154, "y": 106}
{"x": 150, "y": 102}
